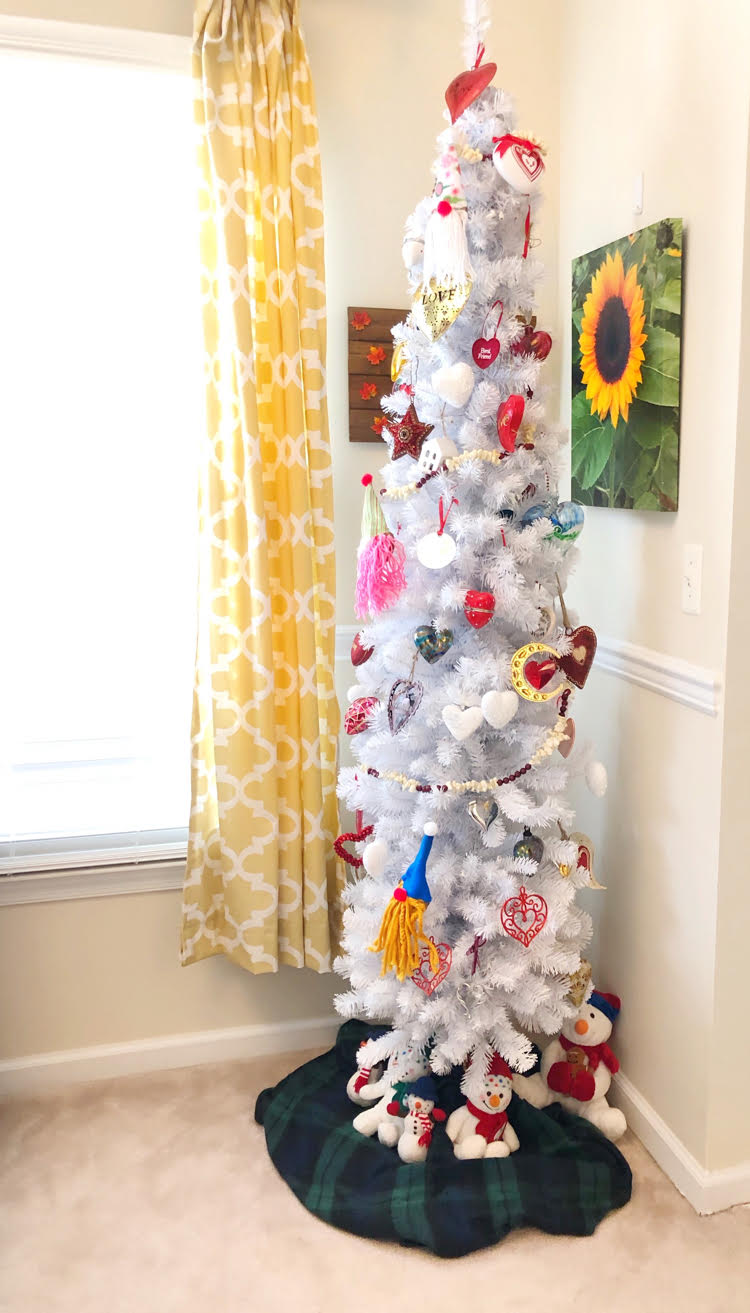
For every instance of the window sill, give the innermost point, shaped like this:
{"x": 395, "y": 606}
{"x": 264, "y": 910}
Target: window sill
{"x": 91, "y": 882}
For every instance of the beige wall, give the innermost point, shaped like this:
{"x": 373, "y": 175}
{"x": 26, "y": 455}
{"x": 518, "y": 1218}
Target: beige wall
{"x": 663, "y": 89}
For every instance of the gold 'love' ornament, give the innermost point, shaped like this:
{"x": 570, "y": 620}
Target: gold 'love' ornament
{"x": 438, "y": 305}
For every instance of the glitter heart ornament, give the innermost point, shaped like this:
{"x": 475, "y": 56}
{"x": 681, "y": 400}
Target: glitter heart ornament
{"x": 523, "y": 915}
{"x": 403, "y": 700}
{"x": 432, "y": 643}
{"x": 424, "y": 977}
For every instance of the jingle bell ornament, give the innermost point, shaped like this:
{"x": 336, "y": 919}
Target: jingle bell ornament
{"x": 529, "y": 846}
{"x": 380, "y": 560}
{"x": 447, "y": 274}
{"x": 519, "y": 161}
{"x": 401, "y": 938}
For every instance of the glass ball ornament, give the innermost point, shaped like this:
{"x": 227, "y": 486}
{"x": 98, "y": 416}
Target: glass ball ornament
{"x": 529, "y": 846}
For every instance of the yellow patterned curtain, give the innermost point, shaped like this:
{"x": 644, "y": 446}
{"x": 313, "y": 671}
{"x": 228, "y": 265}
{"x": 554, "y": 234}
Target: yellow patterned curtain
{"x": 262, "y": 879}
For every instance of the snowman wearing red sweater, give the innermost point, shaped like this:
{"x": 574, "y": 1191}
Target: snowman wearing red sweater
{"x": 577, "y": 1067}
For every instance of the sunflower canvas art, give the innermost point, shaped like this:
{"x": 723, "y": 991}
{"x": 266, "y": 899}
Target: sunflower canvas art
{"x": 625, "y": 411}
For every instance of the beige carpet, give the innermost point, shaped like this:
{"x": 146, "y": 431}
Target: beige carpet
{"x": 155, "y": 1194}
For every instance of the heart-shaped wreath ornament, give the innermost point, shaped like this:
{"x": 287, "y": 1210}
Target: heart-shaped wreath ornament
{"x": 424, "y": 977}
{"x": 339, "y": 846}
{"x": 523, "y": 916}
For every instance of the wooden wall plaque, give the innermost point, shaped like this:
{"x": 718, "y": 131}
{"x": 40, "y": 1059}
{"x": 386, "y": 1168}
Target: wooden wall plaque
{"x": 370, "y": 351}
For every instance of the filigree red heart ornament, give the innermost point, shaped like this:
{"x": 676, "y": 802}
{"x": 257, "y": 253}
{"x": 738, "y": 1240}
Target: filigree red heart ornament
{"x": 424, "y": 977}
{"x": 578, "y": 662}
{"x": 523, "y": 915}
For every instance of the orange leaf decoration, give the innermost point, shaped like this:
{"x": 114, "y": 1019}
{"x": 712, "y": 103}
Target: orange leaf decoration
{"x": 377, "y": 424}
{"x": 368, "y": 391}
{"x": 376, "y": 355}
{"x": 360, "y": 320}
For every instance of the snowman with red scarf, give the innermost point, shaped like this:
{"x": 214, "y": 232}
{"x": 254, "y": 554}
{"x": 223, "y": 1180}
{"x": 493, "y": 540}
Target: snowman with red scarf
{"x": 577, "y": 1067}
{"x": 480, "y": 1129}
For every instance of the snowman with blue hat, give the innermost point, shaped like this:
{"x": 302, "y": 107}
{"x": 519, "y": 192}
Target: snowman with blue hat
{"x": 421, "y": 1115}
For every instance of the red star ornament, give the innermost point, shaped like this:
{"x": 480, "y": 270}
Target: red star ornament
{"x": 408, "y": 434}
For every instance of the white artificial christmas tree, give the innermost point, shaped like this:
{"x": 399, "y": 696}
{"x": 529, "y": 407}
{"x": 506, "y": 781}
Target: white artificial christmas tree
{"x": 461, "y": 728}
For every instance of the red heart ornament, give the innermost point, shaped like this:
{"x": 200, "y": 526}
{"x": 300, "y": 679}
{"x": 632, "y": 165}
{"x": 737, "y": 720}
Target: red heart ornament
{"x": 509, "y": 416}
{"x": 465, "y": 88}
{"x": 360, "y": 654}
{"x": 358, "y": 714}
{"x": 539, "y": 673}
{"x": 523, "y": 915}
{"x": 578, "y": 662}
{"x": 540, "y": 345}
{"x": 424, "y": 977}
{"x": 479, "y": 608}
{"x": 343, "y": 852}
{"x": 484, "y": 351}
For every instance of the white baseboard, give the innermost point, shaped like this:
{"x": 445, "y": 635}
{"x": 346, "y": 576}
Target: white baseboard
{"x": 708, "y": 1192}
{"x": 40, "y": 1072}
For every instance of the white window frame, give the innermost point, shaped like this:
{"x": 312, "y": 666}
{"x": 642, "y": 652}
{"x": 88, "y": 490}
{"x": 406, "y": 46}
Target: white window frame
{"x": 151, "y": 873}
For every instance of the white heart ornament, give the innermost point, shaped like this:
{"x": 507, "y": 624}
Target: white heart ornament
{"x": 436, "y": 550}
{"x": 462, "y": 721}
{"x": 454, "y": 383}
{"x": 499, "y": 706}
{"x": 374, "y": 857}
{"x": 355, "y": 691}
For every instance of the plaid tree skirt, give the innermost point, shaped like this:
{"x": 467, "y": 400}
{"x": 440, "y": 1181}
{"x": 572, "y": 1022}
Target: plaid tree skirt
{"x": 564, "y": 1179}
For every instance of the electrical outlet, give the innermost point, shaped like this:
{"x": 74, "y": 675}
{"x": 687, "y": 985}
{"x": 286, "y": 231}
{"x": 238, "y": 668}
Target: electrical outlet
{"x": 692, "y": 569}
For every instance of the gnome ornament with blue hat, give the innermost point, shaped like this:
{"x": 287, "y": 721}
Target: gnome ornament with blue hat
{"x": 401, "y": 934}
{"x": 577, "y": 1067}
{"x": 421, "y": 1115}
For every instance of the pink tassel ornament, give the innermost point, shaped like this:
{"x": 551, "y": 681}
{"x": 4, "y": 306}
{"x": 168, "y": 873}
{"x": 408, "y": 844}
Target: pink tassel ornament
{"x": 380, "y": 561}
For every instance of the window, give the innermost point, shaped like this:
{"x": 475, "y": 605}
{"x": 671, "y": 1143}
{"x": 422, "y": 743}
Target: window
{"x": 100, "y": 410}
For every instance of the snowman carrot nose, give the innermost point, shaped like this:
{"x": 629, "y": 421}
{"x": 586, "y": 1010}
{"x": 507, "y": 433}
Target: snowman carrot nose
{"x": 581, "y": 1027}
{"x": 494, "y": 1100}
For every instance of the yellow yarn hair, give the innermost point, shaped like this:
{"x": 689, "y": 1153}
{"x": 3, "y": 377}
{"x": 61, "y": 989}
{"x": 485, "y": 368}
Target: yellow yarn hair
{"x": 401, "y": 935}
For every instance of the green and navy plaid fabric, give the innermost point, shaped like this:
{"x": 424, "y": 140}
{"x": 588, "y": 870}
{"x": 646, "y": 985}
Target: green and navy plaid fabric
{"x": 564, "y": 1179}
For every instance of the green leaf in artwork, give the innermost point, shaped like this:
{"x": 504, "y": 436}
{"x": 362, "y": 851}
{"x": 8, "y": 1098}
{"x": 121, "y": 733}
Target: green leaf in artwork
{"x": 647, "y": 426}
{"x": 669, "y": 297}
{"x": 661, "y": 369}
{"x": 639, "y": 474}
{"x": 577, "y": 321}
{"x": 666, "y": 471}
{"x": 647, "y": 502}
{"x": 594, "y": 447}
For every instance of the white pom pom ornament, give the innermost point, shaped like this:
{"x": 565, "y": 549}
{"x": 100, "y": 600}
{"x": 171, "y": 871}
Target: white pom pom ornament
{"x": 596, "y": 778}
{"x": 454, "y": 384}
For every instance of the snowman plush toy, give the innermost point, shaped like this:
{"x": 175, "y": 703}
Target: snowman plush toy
{"x": 577, "y": 1067}
{"x": 387, "y": 1095}
{"x": 480, "y": 1129}
{"x": 421, "y": 1115}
